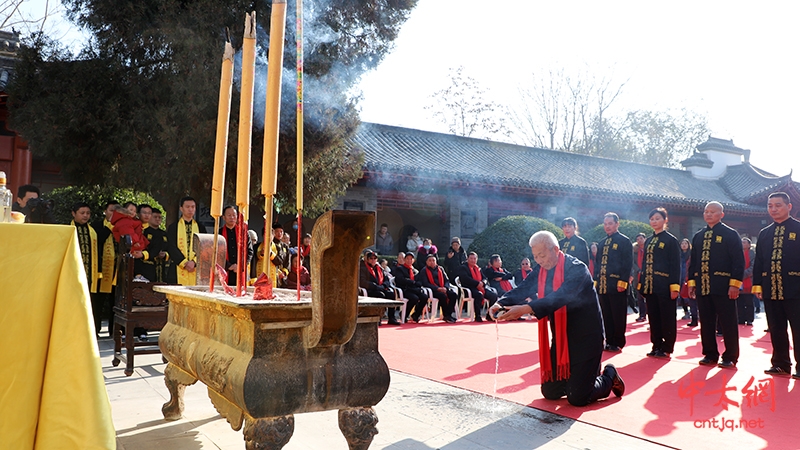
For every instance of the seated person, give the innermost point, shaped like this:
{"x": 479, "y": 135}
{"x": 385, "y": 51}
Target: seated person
{"x": 372, "y": 278}
{"x": 434, "y": 277}
{"x": 305, "y": 277}
{"x": 497, "y": 276}
{"x": 471, "y": 278}
{"x": 523, "y": 272}
{"x": 405, "y": 279}
{"x": 427, "y": 248}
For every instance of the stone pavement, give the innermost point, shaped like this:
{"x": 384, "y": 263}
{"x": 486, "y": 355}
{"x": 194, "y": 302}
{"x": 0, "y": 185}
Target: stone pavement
{"x": 415, "y": 414}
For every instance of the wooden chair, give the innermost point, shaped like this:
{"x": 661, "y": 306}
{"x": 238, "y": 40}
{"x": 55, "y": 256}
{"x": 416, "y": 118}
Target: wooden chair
{"x": 135, "y": 305}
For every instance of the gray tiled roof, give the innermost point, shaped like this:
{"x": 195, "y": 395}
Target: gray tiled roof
{"x": 445, "y": 158}
{"x": 745, "y": 182}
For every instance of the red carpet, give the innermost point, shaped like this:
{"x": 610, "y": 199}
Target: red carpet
{"x": 676, "y": 403}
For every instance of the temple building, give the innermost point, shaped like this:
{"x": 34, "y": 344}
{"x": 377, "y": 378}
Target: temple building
{"x": 446, "y": 185}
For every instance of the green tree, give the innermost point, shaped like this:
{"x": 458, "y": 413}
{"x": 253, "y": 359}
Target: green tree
{"x": 96, "y": 197}
{"x": 138, "y": 105}
{"x": 508, "y": 237}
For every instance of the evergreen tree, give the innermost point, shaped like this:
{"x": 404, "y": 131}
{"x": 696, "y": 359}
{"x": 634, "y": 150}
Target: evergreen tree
{"x": 137, "y": 106}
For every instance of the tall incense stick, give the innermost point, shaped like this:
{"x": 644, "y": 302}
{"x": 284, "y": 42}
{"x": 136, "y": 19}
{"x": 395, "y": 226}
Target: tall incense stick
{"x": 245, "y": 141}
{"x": 299, "y": 133}
{"x": 221, "y": 147}
{"x": 272, "y": 118}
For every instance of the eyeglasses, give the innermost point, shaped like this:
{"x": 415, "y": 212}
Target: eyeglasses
{"x": 526, "y": 264}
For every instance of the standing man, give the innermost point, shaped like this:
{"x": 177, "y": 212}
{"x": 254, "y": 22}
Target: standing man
{"x": 434, "y": 277}
{"x": 230, "y": 232}
{"x": 103, "y": 300}
{"x": 745, "y": 303}
{"x": 777, "y": 283}
{"x": 560, "y": 294}
{"x": 279, "y": 256}
{"x": 716, "y": 270}
{"x": 572, "y": 244}
{"x": 87, "y": 243}
{"x": 613, "y": 272}
{"x": 180, "y": 237}
{"x": 384, "y": 244}
{"x": 638, "y": 264}
{"x": 154, "y": 258}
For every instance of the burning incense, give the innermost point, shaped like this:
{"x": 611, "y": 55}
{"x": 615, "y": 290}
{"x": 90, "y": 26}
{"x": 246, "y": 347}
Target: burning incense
{"x": 245, "y": 140}
{"x": 272, "y": 116}
{"x": 221, "y": 147}
{"x": 299, "y": 193}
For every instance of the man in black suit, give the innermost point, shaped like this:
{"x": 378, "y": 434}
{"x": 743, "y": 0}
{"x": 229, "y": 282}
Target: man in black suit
{"x": 612, "y": 273}
{"x": 715, "y": 275}
{"x": 572, "y": 244}
{"x": 564, "y": 296}
{"x": 471, "y": 277}
{"x": 434, "y": 277}
{"x": 776, "y": 281}
{"x": 376, "y": 283}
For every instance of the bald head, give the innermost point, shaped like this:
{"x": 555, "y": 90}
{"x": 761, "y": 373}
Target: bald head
{"x": 713, "y": 213}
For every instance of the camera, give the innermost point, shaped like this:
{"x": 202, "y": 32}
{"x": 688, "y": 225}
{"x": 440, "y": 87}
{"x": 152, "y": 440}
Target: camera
{"x": 40, "y": 210}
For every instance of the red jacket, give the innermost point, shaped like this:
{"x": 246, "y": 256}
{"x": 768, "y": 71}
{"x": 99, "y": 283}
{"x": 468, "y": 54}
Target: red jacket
{"x": 128, "y": 225}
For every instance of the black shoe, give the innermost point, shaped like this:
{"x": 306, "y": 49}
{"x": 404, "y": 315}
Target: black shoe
{"x": 478, "y": 318}
{"x": 617, "y": 385}
{"x": 796, "y": 376}
{"x": 719, "y": 333}
{"x": 707, "y": 361}
{"x": 777, "y": 371}
{"x": 661, "y": 354}
{"x": 612, "y": 349}
{"x": 691, "y": 324}
{"x": 393, "y": 321}
{"x": 652, "y": 353}
{"x": 450, "y": 320}
{"x": 489, "y": 317}
{"x": 727, "y": 364}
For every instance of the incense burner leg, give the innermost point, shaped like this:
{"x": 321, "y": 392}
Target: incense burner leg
{"x": 358, "y": 426}
{"x": 269, "y": 433}
{"x": 176, "y": 381}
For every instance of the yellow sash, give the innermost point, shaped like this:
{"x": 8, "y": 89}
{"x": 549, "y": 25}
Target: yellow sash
{"x": 186, "y": 278}
{"x": 93, "y": 269}
{"x": 109, "y": 270}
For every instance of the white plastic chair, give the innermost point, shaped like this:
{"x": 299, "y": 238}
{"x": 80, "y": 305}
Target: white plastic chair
{"x": 400, "y": 297}
{"x": 432, "y": 306}
{"x": 466, "y": 296}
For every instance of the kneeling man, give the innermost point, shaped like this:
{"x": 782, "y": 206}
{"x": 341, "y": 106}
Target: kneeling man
{"x": 560, "y": 293}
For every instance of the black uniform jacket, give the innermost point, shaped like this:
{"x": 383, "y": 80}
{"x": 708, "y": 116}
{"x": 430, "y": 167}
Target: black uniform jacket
{"x": 612, "y": 267}
{"x": 368, "y": 281}
{"x": 465, "y": 277}
{"x": 722, "y": 265}
{"x": 175, "y": 254}
{"x": 778, "y": 242}
{"x": 584, "y": 319}
{"x": 426, "y": 282}
{"x": 575, "y": 246}
{"x": 402, "y": 278}
{"x": 661, "y": 273}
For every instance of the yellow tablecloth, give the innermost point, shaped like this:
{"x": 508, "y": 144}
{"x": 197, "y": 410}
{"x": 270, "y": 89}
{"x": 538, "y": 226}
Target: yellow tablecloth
{"x": 52, "y": 394}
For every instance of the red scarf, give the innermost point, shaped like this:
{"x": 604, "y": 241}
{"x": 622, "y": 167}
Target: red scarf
{"x": 525, "y": 273}
{"x": 562, "y": 348}
{"x": 410, "y": 271}
{"x": 305, "y": 250}
{"x": 639, "y": 257}
{"x": 377, "y": 273}
{"x": 438, "y": 272}
{"x": 477, "y": 276}
{"x": 747, "y": 283}
{"x": 505, "y": 285}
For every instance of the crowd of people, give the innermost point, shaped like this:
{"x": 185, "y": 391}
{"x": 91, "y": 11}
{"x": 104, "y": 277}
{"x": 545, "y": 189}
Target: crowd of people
{"x": 717, "y": 278}
{"x": 166, "y": 256}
